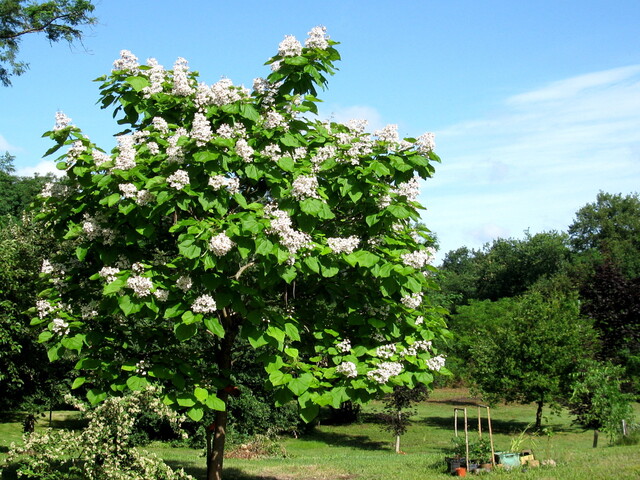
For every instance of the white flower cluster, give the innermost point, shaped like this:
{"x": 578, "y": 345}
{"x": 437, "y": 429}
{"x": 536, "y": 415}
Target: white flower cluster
{"x": 144, "y": 196}
{"x": 419, "y": 320}
{"x": 289, "y": 47}
{"x": 126, "y": 158}
{"x": 160, "y": 124}
{"x": 281, "y": 225}
{"x": 272, "y": 151}
{"x": 60, "y": 327}
{"x": 156, "y": 78}
{"x": 218, "y": 182}
{"x": 76, "y": 149}
{"x": 109, "y": 273}
{"x": 47, "y": 267}
{"x": 181, "y": 83}
{"x": 344, "y": 346}
{"x": 220, "y": 244}
{"x": 348, "y": 369}
{"x": 419, "y": 258}
{"x": 386, "y": 351}
{"x": 62, "y": 121}
{"x": 416, "y": 347}
{"x": 274, "y": 120}
{"x": 436, "y": 363}
{"x": 178, "y": 180}
{"x": 44, "y": 308}
{"x": 410, "y": 189}
{"x": 175, "y": 153}
{"x": 127, "y": 61}
{"x": 385, "y": 371}
{"x": 47, "y": 190}
{"x": 357, "y": 124}
{"x": 161, "y": 295}
{"x": 89, "y": 311}
{"x": 204, "y": 304}
{"x": 305, "y": 186}
{"x": 141, "y": 286}
{"x": 243, "y": 150}
{"x": 128, "y": 190}
{"x": 225, "y": 131}
{"x": 317, "y": 38}
{"x": 100, "y": 158}
{"x": 224, "y": 92}
{"x": 343, "y": 245}
{"x": 323, "y": 154}
{"x": 184, "y": 283}
{"x": 412, "y": 301}
{"x": 426, "y": 143}
{"x": 201, "y": 129}
{"x": 388, "y": 134}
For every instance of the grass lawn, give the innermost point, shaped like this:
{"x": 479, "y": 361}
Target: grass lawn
{"x": 365, "y": 452}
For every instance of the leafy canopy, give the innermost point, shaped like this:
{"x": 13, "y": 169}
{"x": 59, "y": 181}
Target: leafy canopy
{"x": 226, "y": 214}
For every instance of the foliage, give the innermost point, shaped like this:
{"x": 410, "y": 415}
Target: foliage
{"x": 104, "y": 450}
{"x": 610, "y": 228}
{"x": 503, "y": 268}
{"x": 56, "y": 19}
{"x": 530, "y": 354}
{"x": 597, "y": 400}
{"x": 226, "y": 217}
{"x": 397, "y": 409}
{"x": 17, "y": 193}
{"x": 479, "y": 448}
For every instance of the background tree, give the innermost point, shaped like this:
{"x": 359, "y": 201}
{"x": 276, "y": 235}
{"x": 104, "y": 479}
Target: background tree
{"x": 397, "y": 410}
{"x": 56, "y": 19}
{"x": 225, "y": 217}
{"x": 529, "y": 355}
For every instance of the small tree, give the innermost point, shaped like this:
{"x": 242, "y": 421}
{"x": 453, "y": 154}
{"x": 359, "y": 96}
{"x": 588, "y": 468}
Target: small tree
{"x": 229, "y": 214}
{"x": 397, "y": 409}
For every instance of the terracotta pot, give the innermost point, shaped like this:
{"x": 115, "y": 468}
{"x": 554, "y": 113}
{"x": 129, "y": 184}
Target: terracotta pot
{"x": 461, "y": 472}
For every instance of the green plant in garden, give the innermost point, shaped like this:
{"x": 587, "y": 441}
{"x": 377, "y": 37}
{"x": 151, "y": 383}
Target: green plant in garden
{"x": 103, "y": 450}
{"x": 227, "y": 214}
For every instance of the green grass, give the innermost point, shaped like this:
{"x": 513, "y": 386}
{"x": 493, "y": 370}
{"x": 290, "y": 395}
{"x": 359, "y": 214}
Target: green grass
{"x": 365, "y": 452}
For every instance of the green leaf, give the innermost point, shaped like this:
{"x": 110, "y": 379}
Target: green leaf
{"x": 186, "y": 400}
{"x": 213, "y": 325}
{"x": 96, "y": 396}
{"x": 289, "y": 140}
{"x": 275, "y": 332}
{"x": 138, "y": 83}
{"x": 292, "y": 331}
{"x": 74, "y": 343}
{"x": 44, "y": 336}
{"x": 195, "y": 413}
{"x": 81, "y": 252}
{"x": 251, "y": 225}
{"x": 54, "y": 352}
{"x": 362, "y": 258}
{"x": 79, "y": 381}
{"x": 309, "y": 412}
{"x": 279, "y": 378}
{"x": 201, "y": 394}
{"x": 190, "y": 251}
{"x": 286, "y": 164}
{"x": 174, "y": 310}
{"x": 312, "y": 263}
{"x": 264, "y": 246}
{"x": 214, "y": 403}
{"x": 249, "y": 112}
{"x": 185, "y": 332}
{"x": 301, "y": 384}
{"x": 112, "y": 199}
{"x": 137, "y": 383}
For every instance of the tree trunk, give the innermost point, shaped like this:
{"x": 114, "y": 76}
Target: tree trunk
{"x": 397, "y": 434}
{"x": 539, "y": 415}
{"x": 215, "y": 448}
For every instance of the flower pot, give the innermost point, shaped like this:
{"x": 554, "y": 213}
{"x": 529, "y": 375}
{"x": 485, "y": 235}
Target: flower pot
{"x": 455, "y": 463}
{"x": 461, "y": 472}
{"x": 509, "y": 460}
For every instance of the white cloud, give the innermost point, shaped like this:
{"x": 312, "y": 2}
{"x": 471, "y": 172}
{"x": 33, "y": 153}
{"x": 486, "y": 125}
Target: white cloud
{"x": 42, "y": 168}
{"x": 342, "y": 114}
{"x": 537, "y": 159}
{"x": 5, "y": 146}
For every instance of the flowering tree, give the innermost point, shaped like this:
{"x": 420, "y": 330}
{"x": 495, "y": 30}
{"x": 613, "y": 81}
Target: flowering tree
{"x": 226, "y": 214}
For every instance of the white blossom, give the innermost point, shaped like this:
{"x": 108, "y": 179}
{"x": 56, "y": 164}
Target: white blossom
{"x": 161, "y": 295}
{"x": 343, "y": 245}
{"x": 141, "y": 286}
{"x": 178, "y": 180}
{"x": 220, "y": 244}
{"x": 348, "y": 369}
{"x": 305, "y": 186}
{"x": 243, "y": 150}
{"x": 156, "y": 78}
{"x": 128, "y": 190}
{"x": 436, "y": 363}
{"x": 201, "y": 130}
{"x": 47, "y": 267}
{"x": 426, "y": 143}
{"x": 272, "y": 151}
{"x": 60, "y": 327}
{"x": 184, "y": 283}
{"x": 344, "y": 346}
{"x": 47, "y": 190}
{"x": 218, "y": 182}
{"x": 274, "y": 120}
{"x": 317, "y": 38}
{"x": 204, "y": 304}
{"x": 127, "y": 61}
{"x": 144, "y": 196}
{"x": 410, "y": 189}
{"x": 388, "y": 134}
{"x": 62, "y": 121}
{"x": 44, "y": 308}
{"x": 281, "y": 225}
{"x": 126, "y": 158}
{"x": 289, "y": 47}
{"x": 412, "y": 301}
{"x": 419, "y": 258}
{"x": 160, "y": 124}
{"x": 385, "y": 371}
{"x": 419, "y": 320}
{"x": 386, "y": 351}
{"x": 100, "y": 158}
{"x": 181, "y": 82}
{"x": 109, "y": 273}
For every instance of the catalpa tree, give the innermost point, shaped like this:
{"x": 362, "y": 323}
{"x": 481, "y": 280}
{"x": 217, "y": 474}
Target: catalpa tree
{"x": 229, "y": 217}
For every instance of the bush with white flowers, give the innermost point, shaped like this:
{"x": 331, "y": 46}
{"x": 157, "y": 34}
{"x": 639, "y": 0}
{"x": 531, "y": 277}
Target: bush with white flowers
{"x": 245, "y": 215}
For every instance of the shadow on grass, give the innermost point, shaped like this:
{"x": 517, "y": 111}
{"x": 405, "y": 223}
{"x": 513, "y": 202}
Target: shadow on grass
{"x": 200, "y": 472}
{"x": 361, "y": 442}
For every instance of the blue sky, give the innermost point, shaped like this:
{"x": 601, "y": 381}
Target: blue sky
{"x": 535, "y": 105}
